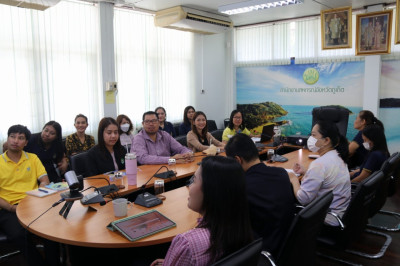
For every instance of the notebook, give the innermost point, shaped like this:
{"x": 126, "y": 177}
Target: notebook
{"x": 142, "y": 225}
{"x": 41, "y": 192}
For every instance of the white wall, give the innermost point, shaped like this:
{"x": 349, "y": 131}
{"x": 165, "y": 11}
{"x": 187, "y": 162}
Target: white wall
{"x": 214, "y": 76}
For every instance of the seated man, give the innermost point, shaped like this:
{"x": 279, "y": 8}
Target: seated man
{"x": 269, "y": 194}
{"x": 19, "y": 172}
{"x": 153, "y": 146}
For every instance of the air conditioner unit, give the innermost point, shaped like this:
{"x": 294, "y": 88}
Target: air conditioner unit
{"x": 188, "y": 19}
{"x": 31, "y": 4}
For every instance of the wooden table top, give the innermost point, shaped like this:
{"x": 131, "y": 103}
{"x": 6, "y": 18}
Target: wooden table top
{"x": 85, "y": 227}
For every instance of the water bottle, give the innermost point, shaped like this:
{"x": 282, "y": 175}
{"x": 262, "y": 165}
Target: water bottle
{"x": 131, "y": 168}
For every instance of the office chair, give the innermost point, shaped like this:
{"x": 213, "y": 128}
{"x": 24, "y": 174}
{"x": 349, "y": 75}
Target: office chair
{"x": 300, "y": 243}
{"x": 4, "y": 241}
{"x": 211, "y": 125}
{"x": 335, "y": 114}
{"x": 247, "y": 255}
{"x": 381, "y": 219}
{"x": 176, "y": 128}
{"x": 354, "y": 221}
{"x": 182, "y": 140}
{"x": 217, "y": 134}
{"x": 79, "y": 163}
{"x": 226, "y": 122}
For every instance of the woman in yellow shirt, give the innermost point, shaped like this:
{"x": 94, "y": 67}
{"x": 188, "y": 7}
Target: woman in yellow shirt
{"x": 236, "y": 125}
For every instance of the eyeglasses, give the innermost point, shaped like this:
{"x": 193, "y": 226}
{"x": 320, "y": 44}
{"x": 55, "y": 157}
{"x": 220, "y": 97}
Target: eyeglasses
{"x": 150, "y": 121}
{"x": 237, "y": 117}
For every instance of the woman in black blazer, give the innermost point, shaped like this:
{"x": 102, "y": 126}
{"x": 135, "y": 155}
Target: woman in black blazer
{"x": 108, "y": 155}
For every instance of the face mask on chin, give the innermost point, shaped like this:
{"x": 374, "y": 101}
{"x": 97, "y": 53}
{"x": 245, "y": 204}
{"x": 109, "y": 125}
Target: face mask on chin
{"x": 367, "y": 146}
{"x": 311, "y": 144}
{"x": 125, "y": 127}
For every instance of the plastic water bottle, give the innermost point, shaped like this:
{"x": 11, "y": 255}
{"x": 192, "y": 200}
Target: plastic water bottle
{"x": 131, "y": 168}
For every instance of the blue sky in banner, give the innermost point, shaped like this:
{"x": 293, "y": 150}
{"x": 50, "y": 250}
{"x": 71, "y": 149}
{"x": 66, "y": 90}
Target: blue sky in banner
{"x": 339, "y": 83}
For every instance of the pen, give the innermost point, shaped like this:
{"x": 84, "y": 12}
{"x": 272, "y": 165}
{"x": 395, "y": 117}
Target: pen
{"x": 43, "y": 190}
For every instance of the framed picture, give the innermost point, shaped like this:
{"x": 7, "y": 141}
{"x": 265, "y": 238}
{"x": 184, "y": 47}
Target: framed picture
{"x": 397, "y": 40}
{"x": 336, "y": 28}
{"x": 373, "y": 33}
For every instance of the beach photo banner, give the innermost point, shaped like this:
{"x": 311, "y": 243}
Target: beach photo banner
{"x": 288, "y": 94}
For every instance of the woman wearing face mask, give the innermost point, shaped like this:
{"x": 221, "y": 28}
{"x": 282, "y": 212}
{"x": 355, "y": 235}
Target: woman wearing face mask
{"x": 47, "y": 145}
{"x": 79, "y": 141}
{"x": 327, "y": 173}
{"x": 357, "y": 152}
{"x": 375, "y": 143}
{"x": 108, "y": 155}
{"x": 199, "y": 139}
{"x": 125, "y": 131}
{"x": 164, "y": 125}
{"x": 225, "y": 225}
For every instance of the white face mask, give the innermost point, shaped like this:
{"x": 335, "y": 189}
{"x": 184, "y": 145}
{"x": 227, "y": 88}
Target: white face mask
{"x": 125, "y": 127}
{"x": 366, "y": 146}
{"x": 311, "y": 144}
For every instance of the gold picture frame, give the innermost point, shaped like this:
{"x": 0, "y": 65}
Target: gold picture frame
{"x": 373, "y": 32}
{"x": 336, "y": 28}
{"x": 397, "y": 40}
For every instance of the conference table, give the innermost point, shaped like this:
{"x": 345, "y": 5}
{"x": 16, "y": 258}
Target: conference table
{"x": 87, "y": 227}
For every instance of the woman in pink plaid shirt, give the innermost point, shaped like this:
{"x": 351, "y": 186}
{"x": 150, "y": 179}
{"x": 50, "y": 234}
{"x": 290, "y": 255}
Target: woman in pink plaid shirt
{"x": 218, "y": 194}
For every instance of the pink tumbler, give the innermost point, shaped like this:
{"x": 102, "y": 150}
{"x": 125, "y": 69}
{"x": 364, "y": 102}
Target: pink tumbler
{"x": 131, "y": 168}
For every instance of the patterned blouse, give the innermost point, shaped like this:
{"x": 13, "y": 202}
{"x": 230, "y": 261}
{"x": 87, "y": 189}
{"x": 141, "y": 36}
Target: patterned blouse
{"x": 74, "y": 145}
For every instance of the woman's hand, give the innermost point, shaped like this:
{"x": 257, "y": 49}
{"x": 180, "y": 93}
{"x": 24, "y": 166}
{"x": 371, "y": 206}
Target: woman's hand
{"x": 63, "y": 165}
{"x": 298, "y": 169}
{"x": 157, "y": 262}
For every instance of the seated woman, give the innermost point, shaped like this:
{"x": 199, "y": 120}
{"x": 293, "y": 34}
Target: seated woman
{"x": 327, "y": 173}
{"x": 186, "y": 126}
{"x": 47, "y": 145}
{"x": 108, "y": 155}
{"x": 236, "y": 125}
{"x": 221, "y": 230}
{"x": 164, "y": 125}
{"x": 125, "y": 131}
{"x": 374, "y": 142}
{"x": 357, "y": 152}
{"x": 199, "y": 139}
{"x": 79, "y": 141}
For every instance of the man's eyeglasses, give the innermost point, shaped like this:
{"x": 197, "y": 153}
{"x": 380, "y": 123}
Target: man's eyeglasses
{"x": 150, "y": 121}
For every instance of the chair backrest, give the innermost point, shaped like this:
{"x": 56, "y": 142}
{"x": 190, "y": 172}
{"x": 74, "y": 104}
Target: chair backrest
{"x": 182, "y": 140}
{"x": 391, "y": 168}
{"x": 211, "y": 125}
{"x": 217, "y": 134}
{"x": 335, "y": 114}
{"x": 388, "y": 168}
{"x": 176, "y": 128}
{"x": 226, "y": 122}
{"x": 299, "y": 245}
{"x": 356, "y": 215}
{"x": 245, "y": 256}
{"x": 79, "y": 163}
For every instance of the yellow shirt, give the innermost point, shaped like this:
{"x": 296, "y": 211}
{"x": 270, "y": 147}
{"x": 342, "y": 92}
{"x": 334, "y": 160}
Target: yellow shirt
{"x": 17, "y": 178}
{"x": 233, "y": 132}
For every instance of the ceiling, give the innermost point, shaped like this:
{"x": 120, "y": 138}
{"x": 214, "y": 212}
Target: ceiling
{"x": 308, "y": 8}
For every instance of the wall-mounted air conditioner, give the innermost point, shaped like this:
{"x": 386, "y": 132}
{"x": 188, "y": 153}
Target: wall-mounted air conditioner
{"x": 188, "y": 19}
{"x": 31, "y": 4}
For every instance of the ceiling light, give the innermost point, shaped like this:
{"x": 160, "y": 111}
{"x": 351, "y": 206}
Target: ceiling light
{"x": 252, "y": 5}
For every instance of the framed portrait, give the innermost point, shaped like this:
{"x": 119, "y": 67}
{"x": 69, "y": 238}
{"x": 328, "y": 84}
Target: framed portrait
{"x": 397, "y": 40}
{"x": 336, "y": 28}
{"x": 373, "y": 33}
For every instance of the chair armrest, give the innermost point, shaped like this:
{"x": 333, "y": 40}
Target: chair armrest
{"x": 269, "y": 257}
{"x": 338, "y": 219}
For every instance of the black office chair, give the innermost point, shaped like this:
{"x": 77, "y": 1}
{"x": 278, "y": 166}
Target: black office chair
{"x": 182, "y": 140}
{"x": 226, "y": 122}
{"x": 335, "y": 114}
{"x": 211, "y": 125}
{"x": 79, "y": 163}
{"x": 245, "y": 256}
{"x": 5, "y": 241}
{"x": 176, "y": 128}
{"x": 381, "y": 219}
{"x": 354, "y": 220}
{"x": 217, "y": 134}
{"x": 300, "y": 243}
